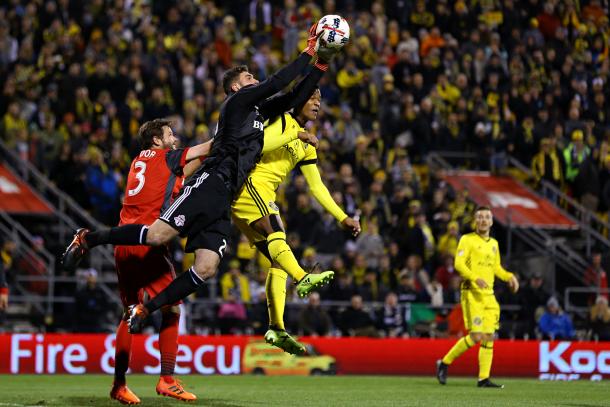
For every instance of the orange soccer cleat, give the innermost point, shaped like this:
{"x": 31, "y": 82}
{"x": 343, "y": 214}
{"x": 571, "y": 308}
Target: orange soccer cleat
{"x": 75, "y": 251}
{"x": 170, "y": 387}
{"x": 122, "y": 394}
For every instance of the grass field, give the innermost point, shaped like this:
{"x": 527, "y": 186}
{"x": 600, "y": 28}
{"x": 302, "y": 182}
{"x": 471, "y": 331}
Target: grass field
{"x": 92, "y": 390}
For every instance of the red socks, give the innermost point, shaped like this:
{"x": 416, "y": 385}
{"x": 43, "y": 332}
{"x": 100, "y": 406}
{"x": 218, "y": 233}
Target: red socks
{"x": 168, "y": 342}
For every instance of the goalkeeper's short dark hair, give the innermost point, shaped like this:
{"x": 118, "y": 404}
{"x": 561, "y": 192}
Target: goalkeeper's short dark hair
{"x": 151, "y": 129}
{"x": 230, "y": 76}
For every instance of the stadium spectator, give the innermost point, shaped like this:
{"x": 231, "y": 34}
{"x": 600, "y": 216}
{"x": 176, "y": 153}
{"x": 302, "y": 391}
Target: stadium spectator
{"x": 547, "y": 166}
{"x": 234, "y": 283}
{"x": 313, "y": 319}
{"x": 532, "y": 299}
{"x": 232, "y": 315}
{"x": 555, "y": 324}
{"x": 3, "y": 289}
{"x": 599, "y": 319}
{"x": 391, "y": 317}
{"x": 8, "y": 249}
{"x": 90, "y": 306}
{"x": 355, "y": 321}
{"x": 574, "y": 155}
{"x": 447, "y": 243}
{"x": 596, "y": 276}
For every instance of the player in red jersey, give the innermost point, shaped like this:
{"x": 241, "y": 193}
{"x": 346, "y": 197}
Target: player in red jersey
{"x": 155, "y": 178}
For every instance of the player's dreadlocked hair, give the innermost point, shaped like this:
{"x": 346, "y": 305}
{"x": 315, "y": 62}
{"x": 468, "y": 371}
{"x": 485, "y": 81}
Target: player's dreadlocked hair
{"x": 231, "y": 76}
{"x": 151, "y": 129}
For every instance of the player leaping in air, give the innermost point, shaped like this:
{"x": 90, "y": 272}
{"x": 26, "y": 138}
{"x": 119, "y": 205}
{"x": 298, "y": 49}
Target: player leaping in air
{"x": 478, "y": 262}
{"x": 257, "y": 215}
{"x": 201, "y": 211}
{"x": 155, "y": 177}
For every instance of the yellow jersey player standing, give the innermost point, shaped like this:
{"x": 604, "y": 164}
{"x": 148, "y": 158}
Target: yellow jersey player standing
{"x": 478, "y": 262}
{"x": 257, "y": 215}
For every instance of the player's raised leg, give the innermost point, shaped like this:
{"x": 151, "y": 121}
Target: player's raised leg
{"x": 205, "y": 267}
{"x": 84, "y": 240}
{"x": 281, "y": 253}
{"x": 168, "y": 346}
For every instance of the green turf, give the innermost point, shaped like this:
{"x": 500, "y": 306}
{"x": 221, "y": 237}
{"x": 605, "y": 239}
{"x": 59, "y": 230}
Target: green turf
{"x": 92, "y": 390}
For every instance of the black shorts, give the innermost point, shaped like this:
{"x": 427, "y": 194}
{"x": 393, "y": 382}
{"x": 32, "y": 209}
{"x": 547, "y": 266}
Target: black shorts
{"x": 201, "y": 213}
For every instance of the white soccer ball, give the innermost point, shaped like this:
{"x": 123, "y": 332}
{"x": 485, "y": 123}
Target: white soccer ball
{"x": 335, "y": 31}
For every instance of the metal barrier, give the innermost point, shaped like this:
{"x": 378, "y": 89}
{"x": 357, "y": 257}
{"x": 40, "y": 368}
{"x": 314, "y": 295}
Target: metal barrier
{"x": 570, "y": 293}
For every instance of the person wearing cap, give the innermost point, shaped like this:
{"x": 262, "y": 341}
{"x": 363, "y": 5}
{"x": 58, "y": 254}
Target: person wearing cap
{"x": 574, "y": 155}
{"x": 448, "y": 242}
{"x": 235, "y": 283}
{"x": 555, "y": 324}
{"x": 478, "y": 263}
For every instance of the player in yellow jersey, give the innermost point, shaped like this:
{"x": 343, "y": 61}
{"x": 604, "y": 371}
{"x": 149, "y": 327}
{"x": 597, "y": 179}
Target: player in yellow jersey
{"x": 257, "y": 215}
{"x": 478, "y": 262}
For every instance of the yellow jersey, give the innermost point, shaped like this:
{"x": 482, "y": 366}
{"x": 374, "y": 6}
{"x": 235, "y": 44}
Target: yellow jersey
{"x": 275, "y": 165}
{"x": 478, "y": 257}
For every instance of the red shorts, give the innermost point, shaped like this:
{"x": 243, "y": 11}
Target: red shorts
{"x": 142, "y": 268}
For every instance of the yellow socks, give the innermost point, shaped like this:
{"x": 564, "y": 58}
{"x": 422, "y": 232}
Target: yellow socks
{"x": 275, "y": 288}
{"x": 486, "y": 355}
{"x": 460, "y": 347}
{"x": 282, "y": 254}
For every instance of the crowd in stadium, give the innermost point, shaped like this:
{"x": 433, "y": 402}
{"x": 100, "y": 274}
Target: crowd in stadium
{"x": 493, "y": 78}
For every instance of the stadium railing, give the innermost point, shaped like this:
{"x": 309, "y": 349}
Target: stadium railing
{"x": 68, "y": 215}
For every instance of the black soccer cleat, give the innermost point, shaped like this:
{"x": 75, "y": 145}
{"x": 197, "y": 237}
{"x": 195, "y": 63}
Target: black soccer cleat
{"x": 135, "y": 321}
{"x": 75, "y": 251}
{"x": 488, "y": 383}
{"x": 441, "y": 371}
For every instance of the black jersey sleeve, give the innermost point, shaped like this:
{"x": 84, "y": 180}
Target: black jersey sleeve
{"x": 175, "y": 160}
{"x": 295, "y": 97}
{"x": 255, "y": 94}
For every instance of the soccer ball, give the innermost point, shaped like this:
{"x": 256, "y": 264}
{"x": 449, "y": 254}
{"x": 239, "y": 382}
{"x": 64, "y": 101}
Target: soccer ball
{"x": 335, "y": 31}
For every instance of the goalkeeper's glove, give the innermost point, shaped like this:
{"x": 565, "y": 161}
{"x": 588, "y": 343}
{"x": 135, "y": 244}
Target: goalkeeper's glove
{"x": 325, "y": 55}
{"x": 312, "y": 41}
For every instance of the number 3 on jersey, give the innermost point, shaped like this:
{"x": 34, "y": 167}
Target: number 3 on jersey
{"x": 141, "y": 166}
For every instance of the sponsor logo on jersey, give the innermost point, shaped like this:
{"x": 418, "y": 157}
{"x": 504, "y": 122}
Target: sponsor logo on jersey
{"x": 258, "y": 125}
{"x": 179, "y": 220}
{"x": 477, "y": 321}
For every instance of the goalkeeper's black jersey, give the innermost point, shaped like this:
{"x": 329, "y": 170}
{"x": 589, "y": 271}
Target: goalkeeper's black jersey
{"x": 238, "y": 140}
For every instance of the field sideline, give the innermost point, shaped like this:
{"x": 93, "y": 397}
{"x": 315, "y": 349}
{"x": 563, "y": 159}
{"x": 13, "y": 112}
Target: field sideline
{"x": 237, "y": 391}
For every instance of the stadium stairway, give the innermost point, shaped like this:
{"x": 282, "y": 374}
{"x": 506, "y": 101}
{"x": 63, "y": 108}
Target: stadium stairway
{"x": 35, "y": 289}
{"x": 561, "y": 255}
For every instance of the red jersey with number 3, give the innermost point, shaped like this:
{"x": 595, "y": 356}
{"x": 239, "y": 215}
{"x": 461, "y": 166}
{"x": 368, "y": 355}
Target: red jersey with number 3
{"x": 154, "y": 179}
